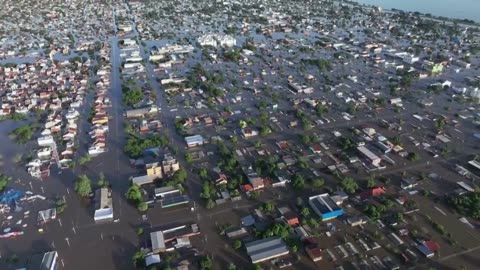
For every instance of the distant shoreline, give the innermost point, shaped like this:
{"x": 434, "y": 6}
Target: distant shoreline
{"x": 426, "y": 15}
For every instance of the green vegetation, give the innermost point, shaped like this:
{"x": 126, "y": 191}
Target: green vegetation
{"x": 413, "y": 156}
{"x": 102, "y": 182}
{"x": 134, "y": 194}
{"x": 467, "y": 204}
{"x": 138, "y": 259}
{"x": 23, "y": 134}
{"x": 321, "y": 64}
{"x": 60, "y": 205}
{"x": 3, "y": 181}
{"x": 83, "y": 186}
{"x": 232, "y": 55}
{"x": 142, "y": 206}
{"x": 298, "y": 182}
{"x": 132, "y": 97}
{"x": 374, "y": 212}
{"x": 206, "y": 263}
{"x": 136, "y": 145}
{"x": 85, "y": 159}
{"x": 14, "y": 117}
{"x": 237, "y": 244}
{"x": 349, "y": 185}
{"x": 268, "y": 207}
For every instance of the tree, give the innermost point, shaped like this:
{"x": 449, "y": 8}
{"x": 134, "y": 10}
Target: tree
{"x": 413, "y": 156}
{"x": 318, "y": 183}
{"x": 234, "y": 140}
{"x": 3, "y": 181}
{"x": 188, "y": 158}
{"x": 305, "y": 212}
{"x": 142, "y": 206}
{"x": 206, "y": 263}
{"x": 298, "y": 182}
{"x": 102, "y": 182}
{"x": 232, "y": 266}
{"x": 83, "y": 186}
{"x": 203, "y": 173}
{"x": 440, "y": 123}
{"x": 23, "y": 134}
{"x": 138, "y": 259}
{"x": 349, "y": 185}
{"x": 237, "y": 244}
{"x": 207, "y": 191}
{"x": 264, "y": 130}
{"x": 210, "y": 204}
{"x": 320, "y": 109}
{"x": 371, "y": 182}
{"x": 268, "y": 207}
{"x": 134, "y": 194}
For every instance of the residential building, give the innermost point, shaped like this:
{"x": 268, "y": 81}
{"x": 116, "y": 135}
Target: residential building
{"x": 325, "y": 207}
{"x": 158, "y": 242}
{"x": 154, "y": 169}
{"x": 266, "y": 249}
{"x": 193, "y": 141}
{"x": 103, "y": 205}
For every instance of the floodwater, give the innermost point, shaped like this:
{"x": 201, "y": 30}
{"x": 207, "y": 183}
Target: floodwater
{"x": 458, "y": 9}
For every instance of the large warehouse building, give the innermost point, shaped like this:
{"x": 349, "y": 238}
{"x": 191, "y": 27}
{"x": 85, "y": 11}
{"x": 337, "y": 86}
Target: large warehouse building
{"x": 325, "y": 207}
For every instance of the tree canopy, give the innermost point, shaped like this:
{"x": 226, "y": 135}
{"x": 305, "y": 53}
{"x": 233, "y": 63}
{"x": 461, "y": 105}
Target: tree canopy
{"x": 83, "y": 186}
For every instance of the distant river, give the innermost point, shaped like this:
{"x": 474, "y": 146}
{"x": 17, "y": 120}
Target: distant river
{"x": 458, "y": 9}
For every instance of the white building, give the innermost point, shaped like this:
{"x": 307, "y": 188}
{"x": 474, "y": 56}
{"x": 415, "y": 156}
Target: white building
{"x": 103, "y": 207}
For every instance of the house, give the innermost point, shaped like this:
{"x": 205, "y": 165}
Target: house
{"x": 315, "y": 253}
{"x": 289, "y": 216}
{"x": 236, "y": 232}
{"x": 221, "y": 179}
{"x": 249, "y": 132}
{"x": 143, "y": 180}
{"x": 43, "y": 261}
{"x": 375, "y": 160}
{"x": 428, "y": 248}
{"x": 325, "y": 207}
{"x": 372, "y": 192}
{"x": 158, "y": 242}
{"x": 193, "y": 141}
{"x": 170, "y": 196}
{"x": 103, "y": 205}
{"x": 255, "y": 180}
{"x": 141, "y": 112}
{"x": 266, "y": 249}
{"x": 154, "y": 169}
{"x": 170, "y": 165}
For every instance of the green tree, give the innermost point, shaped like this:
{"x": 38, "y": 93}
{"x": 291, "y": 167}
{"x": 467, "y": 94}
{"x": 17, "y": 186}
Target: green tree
{"x": 318, "y": 183}
{"x": 102, "y": 182}
{"x": 134, "y": 194}
{"x": 203, "y": 173}
{"x": 142, "y": 206}
{"x": 413, "y": 156}
{"x": 298, "y": 182}
{"x": 349, "y": 185}
{"x": 371, "y": 182}
{"x": 237, "y": 244}
{"x": 83, "y": 186}
{"x": 268, "y": 207}
{"x": 3, "y": 181}
{"x": 138, "y": 259}
{"x": 305, "y": 212}
{"x": 206, "y": 263}
{"x": 188, "y": 158}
